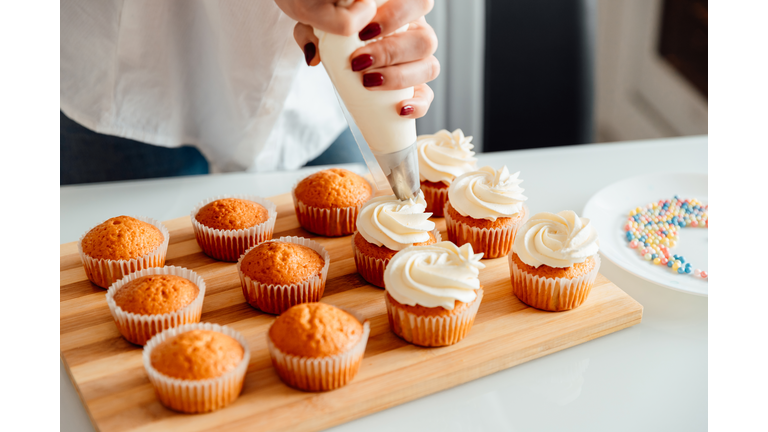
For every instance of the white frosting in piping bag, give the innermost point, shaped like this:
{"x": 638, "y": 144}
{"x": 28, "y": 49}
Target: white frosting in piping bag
{"x": 375, "y": 111}
{"x": 434, "y": 275}
{"x": 487, "y": 194}
{"x": 387, "y": 221}
{"x": 556, "y": 240}
{"x": 445, "y": 155}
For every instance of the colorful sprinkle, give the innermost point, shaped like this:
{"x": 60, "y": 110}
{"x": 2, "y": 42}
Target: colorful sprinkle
{"x": 653, "y": 229}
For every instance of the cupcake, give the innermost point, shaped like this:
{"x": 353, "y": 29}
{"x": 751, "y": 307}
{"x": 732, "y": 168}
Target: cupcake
{"x": 316, "y": 346}
{"x": 149, "y": 301}
{"x": 443, "y": 157}
{"x": 386, "y": 225}
{"x": 227, "y": 226}
{"x": 327, "y": 201}
{"x": 554, "y": 261}
{"x": 433, "y": 293}
{"x": 278, "y": 274}
{"x": 122, "y": 245}
{"x": 485, "y": 208}
{"x": 197, "y": 368}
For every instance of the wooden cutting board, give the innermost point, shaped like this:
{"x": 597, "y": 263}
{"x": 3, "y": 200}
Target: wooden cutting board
{"x": 108, "y": 374}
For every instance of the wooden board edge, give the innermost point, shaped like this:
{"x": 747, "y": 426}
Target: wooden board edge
{"x": 79, "y": 393}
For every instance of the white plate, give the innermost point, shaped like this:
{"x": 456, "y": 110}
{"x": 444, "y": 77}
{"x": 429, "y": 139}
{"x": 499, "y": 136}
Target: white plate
{"x": 608, "y": 211}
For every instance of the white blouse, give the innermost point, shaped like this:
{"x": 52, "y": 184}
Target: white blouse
{"x": 224, "y": 76}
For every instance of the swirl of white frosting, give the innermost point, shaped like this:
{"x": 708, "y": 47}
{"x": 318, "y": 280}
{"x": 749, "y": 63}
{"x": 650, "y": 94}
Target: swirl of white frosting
{"x": 556, "y": 240}
{"x": 445, "y": 155}
{"x": 487, "y": 194}
{"x": 435, "y": 275}
{"x": 387, "y": 221}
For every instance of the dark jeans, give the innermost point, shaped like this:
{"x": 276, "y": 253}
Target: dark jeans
{"x": 89, "y": 157}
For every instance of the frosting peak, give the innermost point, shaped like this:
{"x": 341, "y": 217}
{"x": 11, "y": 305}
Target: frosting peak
{"x": 445, "y": 155}
{"x": 556, "y": 240}
{"x": 487, "y": 194}
{"x": 387, "y": 221}
{"x": 434, "y": 276}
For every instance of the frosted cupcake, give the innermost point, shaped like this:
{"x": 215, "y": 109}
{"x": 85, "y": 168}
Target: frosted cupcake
{"x": 386, "y": 225}
{"x": 442, "y": 157}
{"x": 433, "y": 293}
{"x": 554, "y": 261}
{"x": 485, "y": 209}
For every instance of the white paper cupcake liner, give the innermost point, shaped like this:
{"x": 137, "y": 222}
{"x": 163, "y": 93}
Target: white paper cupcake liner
{"x": 320, "y": 374}
{"x": 432, "y": 331}
{"x": 492, "y": 242}
{"x": 228, "y": 245}
{"x": 371, "y": 268}
{"x": 552, "y": 294}
{"x": 138, "y": 329}
{"x": 327, "y": 222}
{"x": 436, "y": 199}
{"x": 276, "y": 299}
{"x": 105, "y": 272}
{"x": 196, "y": 396}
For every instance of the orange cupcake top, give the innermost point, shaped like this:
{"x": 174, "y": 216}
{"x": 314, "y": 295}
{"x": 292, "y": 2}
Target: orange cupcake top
{"x": 315, "y": 330}
{"x": 484, "y": 223}
{"x": 156, "y": 294}
{"x": 458, "y": 307}
{"x": 383, "y": 252}
{"x": 121, "y": 238}
{"x": 197, "y": 355}
{"x": 333, "y": 188}
{"x": 281, "y": 263}
{"x": 576, "y": 270}
{"x": 232, "y": 214}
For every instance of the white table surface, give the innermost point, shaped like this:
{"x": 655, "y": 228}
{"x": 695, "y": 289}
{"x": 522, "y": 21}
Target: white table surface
{"x": 650, "y": 377}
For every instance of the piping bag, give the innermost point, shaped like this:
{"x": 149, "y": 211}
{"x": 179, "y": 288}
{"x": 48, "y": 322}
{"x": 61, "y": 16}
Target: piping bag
{"x": 386, "y": 140}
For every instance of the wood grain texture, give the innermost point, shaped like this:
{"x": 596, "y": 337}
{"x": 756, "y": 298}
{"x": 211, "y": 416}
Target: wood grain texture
{"x": 108, "y": 374}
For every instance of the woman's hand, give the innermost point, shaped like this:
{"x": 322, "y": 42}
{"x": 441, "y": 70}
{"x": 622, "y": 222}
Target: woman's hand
{"x": 396, "y": 61}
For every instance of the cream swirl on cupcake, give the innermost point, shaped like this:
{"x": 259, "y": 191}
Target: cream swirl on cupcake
{"x": 487, "y": 194}
{"x": 387, "y": 221}
{"x": 445, "y": 155}
{"x": 435, "y": 275}
{"x": 556, "y": 240}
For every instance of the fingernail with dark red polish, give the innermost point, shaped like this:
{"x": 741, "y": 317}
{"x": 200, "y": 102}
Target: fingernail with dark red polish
{"x": 370, "y": 31}
{"x": 363, "y": 61}
{"x": 406, "y": 110}
{"x": 374, "y": 79}
{"x": 309, "y": 52}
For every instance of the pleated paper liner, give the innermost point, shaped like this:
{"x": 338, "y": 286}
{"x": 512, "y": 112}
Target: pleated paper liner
{"x": 229, "y": 245}
{"x": 492, "y": 242}
{"x": 196, "y": 396}
{"x": 435, "y": 198}
{"x": 105, "y": 272}
{"x": 372, "y": 268}
{"x": 276, "y": 299}
{"x": 138, "y": 329}
{"x": 432, "y": 331}
{"x": 322, "y": 373}
{"x": 551, "y": 294}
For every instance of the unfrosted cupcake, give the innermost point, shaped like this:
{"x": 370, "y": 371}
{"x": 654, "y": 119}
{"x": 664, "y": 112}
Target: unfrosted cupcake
{"x": 122, "y": 245}
{"x": 554, "y": 261}
{"x": 149, "y": 301}
{"x": 316, "y": 346}
{"x": 197, "y": 368}
{"x": 443, "y": 156}
{"x": 228, "y": 225}
{"x": 485, "y": 209}
{"x": 386, "y": 225}
{"x": 433, "y": 293}
{"x": 278, "y": 274}
{"x": 327, "y": 202}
